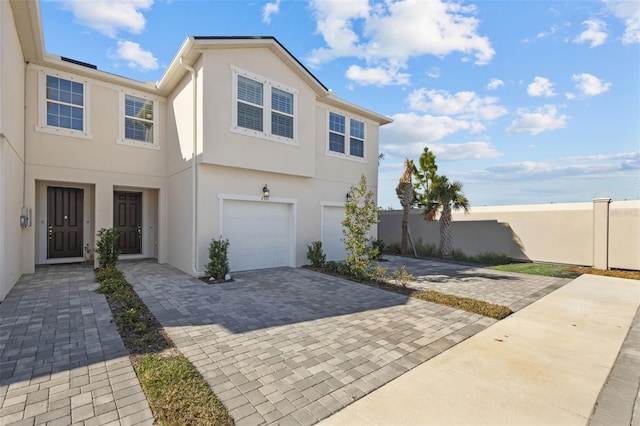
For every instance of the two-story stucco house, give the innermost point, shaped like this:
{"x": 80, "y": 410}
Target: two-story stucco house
{"x": 176, "y": 163}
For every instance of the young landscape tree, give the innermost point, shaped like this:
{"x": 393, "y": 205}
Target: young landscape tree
{"x": 436, "y": 194}
{"x": 404, "y": 190}
{"x": 443, "y": 197}
{"x": 361, "y": 214}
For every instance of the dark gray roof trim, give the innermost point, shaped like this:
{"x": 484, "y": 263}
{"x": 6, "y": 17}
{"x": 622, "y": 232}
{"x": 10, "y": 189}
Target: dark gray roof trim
{"x": 76, "y": 62}
{"x": 262, "y": 38}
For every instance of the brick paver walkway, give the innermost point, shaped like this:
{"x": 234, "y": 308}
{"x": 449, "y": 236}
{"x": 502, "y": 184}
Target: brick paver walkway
{"x": 293, "y": 346}
{"x": 503, "y": 288}
{"x": 62, "y": 361}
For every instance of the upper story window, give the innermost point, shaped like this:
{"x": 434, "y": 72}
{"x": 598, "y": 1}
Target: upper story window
{"x": 137, "y": 121}
{"x": 263, "y": 108}
{"x": 63, "y": 105}
{"x": 346, "y": 136}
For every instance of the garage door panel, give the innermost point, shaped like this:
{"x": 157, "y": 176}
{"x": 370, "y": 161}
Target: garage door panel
{"x": 332, "y": 233}
{"x": 259, "y": 234}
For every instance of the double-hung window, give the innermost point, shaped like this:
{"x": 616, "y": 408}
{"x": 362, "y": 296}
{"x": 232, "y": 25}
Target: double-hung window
{"x": 263, "y": 108}
{"x": 63, "y": 108}
{"x": 65, "y": 103}
{"x": 346, "y": 136}
{"x": 138, "y": 121}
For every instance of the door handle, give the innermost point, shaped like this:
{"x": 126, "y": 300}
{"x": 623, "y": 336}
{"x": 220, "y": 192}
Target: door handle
{"x": 139, "y": 231}
{"x": 50, "y": 232}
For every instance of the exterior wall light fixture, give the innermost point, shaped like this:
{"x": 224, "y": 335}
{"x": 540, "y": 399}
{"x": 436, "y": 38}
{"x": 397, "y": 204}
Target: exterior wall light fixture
{"x": 265, "y": 192}
{"x": 348, "y": 196}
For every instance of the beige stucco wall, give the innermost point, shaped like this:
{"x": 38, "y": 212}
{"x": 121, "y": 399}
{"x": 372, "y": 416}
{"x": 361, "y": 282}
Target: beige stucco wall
{"x": 223, "y": 147}
{"x": 307, "y": 193}
{"x": 624, "y": 234}
{"x": 232, "y": 164}
{"x": 97, "y": 164}
{"x": 558, "y": 233}
{"x": 11, "y": 151}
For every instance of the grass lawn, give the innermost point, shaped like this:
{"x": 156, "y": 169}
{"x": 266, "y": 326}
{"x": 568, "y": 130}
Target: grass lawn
{"x": 538, "y": 269}
{"x": 178, "y": 394}
{"x": 465, "y": 303}
{"x": 564, "y": 271}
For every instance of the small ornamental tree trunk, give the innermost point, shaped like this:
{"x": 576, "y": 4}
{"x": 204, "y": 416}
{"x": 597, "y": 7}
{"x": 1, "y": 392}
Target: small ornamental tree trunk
{"x": 404, "y": 190}
{"x": 446, "y": 247}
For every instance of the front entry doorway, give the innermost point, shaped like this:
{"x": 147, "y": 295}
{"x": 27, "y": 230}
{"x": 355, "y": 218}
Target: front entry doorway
{"x": 64, "y": 222}
{"x": 127, "y": 218}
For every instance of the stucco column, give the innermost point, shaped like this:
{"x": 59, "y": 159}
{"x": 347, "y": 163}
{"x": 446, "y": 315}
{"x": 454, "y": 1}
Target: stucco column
{"x": 103, "y": 209}
{"x": 601, "y": 233}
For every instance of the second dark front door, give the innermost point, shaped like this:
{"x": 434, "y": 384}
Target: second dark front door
{"x": 127, "y": 218}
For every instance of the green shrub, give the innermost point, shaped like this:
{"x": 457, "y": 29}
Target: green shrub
{"x": 379, "y": 273}
{"x": 377, "y": 248}
{"x": 315, "y": 254}
{"x": 128, "y": 318}
{"x": 492, "y": 258}
{"x": 112, "y": 285}
{"x": 393, "y": 248}
{"x": 218, "y": 266}
{"x": 108, "y": 272}
{"x": 426, "y": 249}
{"x": 401, "y": 276}
{"x": 458, "y": 255}
{"x": 106, "y": 247}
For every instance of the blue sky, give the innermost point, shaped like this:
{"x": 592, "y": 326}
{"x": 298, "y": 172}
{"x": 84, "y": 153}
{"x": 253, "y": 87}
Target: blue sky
{"x": 524, "y": 102}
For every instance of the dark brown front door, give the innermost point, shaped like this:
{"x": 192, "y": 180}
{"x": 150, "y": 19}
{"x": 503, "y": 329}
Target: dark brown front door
{"x": 64, "y": 222}
{"x": 127, "y": 217}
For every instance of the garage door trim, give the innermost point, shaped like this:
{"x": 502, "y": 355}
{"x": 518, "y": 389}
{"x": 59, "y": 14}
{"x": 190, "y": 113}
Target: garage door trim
{"x": 292, "y": 202}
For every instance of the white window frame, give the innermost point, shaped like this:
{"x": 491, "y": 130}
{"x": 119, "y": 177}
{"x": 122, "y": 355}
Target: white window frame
{"x": 121, "y": 117}
{"x": 347, "y": 137}
{"x": 42, "y": 125}
{"x": 267, "y": 86}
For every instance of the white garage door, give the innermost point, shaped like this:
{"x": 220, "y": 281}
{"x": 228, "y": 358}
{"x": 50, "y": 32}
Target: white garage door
{"x": 259, "y": 233}
{"x": 332, "y": 234}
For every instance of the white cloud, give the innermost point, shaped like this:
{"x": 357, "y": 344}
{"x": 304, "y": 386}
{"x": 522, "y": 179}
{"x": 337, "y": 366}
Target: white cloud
{"x": 434, "y": 73}
{"x": 494, "y": 84}
{"x": 445, "y": 152}
{"x": 542, "y": 34}
{"x": 541, "y": 120}
{"x": 136, "y": 57}
{"x": 394, "y": 31}
{"x": 110, "y": 17}
{"x": 629, "y": 12}
{"x": 270, "y": 9}
{"x": 541, "y": 87}
{"x": 570, "y": 95}
{"x": 463, "y": 104}
{"x": 590, "y": 85}
{"x": 593, "y": 166}
{"x": 596, "y": 33}
{"x": 412, "y": 127}
{"x": 378, "y": 76}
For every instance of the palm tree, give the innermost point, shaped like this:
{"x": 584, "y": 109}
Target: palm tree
{"x": 443, "y": 196}
{"x": 405, "y": 193}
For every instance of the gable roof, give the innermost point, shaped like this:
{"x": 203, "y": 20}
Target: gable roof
{"x": 29, "y": 27}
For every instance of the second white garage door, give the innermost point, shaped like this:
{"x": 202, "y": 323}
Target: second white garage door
{"x": 260, "y": 234}
{"x": 332, "y": 235}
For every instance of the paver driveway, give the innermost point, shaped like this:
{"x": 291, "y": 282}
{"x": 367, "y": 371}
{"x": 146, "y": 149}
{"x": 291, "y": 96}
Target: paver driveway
{"x": 292, "y": 346}
{"x": 62, "y": 360}
{"x": 503, "y": 288}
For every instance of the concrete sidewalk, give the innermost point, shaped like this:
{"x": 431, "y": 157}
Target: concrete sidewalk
{"x": 546, "y": 364}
